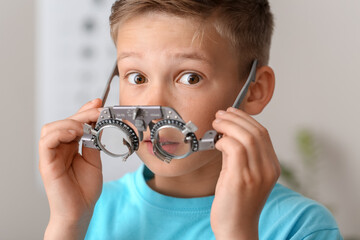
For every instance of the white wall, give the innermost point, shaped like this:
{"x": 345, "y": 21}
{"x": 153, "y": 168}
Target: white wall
{"x": 315, "y": 55}
{"x": 74, "y": 56}
{"x": 316, "y": 58}
{"x": 23, "y": 206}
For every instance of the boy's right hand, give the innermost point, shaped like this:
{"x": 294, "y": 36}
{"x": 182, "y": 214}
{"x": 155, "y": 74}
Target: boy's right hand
{"x": 73, "y": 182}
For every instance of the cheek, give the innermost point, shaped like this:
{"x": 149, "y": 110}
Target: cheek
{"x": 202, "y": 111}
{"x": 127, "y": 96}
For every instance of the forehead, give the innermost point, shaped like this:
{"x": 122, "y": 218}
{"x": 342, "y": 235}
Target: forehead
{"x": 171, "y": 36}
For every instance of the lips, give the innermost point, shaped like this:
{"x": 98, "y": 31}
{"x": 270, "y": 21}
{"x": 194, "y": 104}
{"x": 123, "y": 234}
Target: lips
{"x": 166, "y": 145}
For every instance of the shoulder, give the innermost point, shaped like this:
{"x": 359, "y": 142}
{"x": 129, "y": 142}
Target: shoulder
{"x": 284, "y": 201}
{"x": 294, "y": 216}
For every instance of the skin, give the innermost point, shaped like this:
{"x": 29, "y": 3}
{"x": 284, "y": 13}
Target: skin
{"x": 241, "y": 172}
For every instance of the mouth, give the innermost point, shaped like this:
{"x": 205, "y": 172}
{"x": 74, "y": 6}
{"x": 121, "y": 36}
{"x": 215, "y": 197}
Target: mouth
{"x": 168, "y": 146}
{"x": 167, "y": 143}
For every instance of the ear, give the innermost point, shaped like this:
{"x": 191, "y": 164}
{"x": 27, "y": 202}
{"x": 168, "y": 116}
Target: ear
{"x": 260, "y": 92}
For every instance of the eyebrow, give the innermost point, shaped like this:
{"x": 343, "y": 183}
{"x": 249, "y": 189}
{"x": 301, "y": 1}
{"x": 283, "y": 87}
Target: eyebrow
{"x": 129, "y": 54}
{"x": 182, "y": 56}
{"x": 192, "y": 56}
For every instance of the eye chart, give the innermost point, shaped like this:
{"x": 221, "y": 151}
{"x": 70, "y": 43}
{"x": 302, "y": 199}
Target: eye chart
{"x": 75, "y": 56}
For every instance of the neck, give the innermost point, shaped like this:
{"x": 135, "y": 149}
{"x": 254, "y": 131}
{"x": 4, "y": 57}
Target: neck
{"x": 198, "y": 183}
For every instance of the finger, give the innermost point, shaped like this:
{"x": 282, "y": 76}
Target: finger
{"x": 260, "y": 133}
{"x": 245, "y": 122}
{"x": 96, "y": 103}
{"x": 54, "y": 139}
{"x": 230, "y": 148}
{"x": 87, "y": 116}
{"x": 243, "y": 137}
{"x": 246, "y": 116}
{"x": 269, "y": 166}
{"x": 268, "y": 159}
{"x": 61, "y": 124}
{"x": 236, "y": 164}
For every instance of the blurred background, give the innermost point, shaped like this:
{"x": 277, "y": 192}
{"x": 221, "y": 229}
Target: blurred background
{"x": 55, "y": 55}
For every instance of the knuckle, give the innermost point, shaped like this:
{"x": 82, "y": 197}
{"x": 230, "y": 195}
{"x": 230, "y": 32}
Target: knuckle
{"x": 73, "y": 123}
{"x": 263, "y": 132}
{"x": 249, "y": 140}
{"x": 44, "y": 129}
{"x": 238, "y": 148}
{"x": 240, "y": 180}
{"x": 41, "y": 142}
{"x": 258, "y": 132}
{"x": 220, "y": 143}
{"x": 251, "y": 181}
{"x": 231, "y": 146}
{"x": 57, "y": 133}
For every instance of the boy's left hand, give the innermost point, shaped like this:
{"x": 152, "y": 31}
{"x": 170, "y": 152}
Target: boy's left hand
{"x": 249, "y": 172}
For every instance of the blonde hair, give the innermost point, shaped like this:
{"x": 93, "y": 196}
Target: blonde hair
{"x": 247, "y": 24}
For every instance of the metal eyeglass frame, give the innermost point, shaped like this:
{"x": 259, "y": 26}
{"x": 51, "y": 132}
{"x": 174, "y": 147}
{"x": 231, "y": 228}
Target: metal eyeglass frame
{"x": 142, "y": 117}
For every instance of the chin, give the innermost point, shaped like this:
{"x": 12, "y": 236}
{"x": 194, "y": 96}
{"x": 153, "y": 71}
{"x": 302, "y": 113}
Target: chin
{"x": 177, "y": 167}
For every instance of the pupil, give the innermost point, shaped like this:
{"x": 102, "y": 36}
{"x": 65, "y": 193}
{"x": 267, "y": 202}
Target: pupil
{"x": 193, "y": 79}
{"x": 139, "y": 79}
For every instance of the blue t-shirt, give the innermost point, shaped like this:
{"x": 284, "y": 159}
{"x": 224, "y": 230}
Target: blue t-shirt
{"x": 129, "y": 209}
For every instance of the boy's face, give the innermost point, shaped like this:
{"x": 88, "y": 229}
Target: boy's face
{"x": 161, "y": 63}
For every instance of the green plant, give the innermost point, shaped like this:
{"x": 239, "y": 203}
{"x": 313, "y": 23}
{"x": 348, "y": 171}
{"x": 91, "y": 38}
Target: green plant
{"x": 308, "y": 150}
{"x": 308, "y": 153}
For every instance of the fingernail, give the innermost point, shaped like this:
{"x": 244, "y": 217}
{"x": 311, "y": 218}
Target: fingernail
{"x": 221, "y": 112}
{"x": 94, "y": 101}
{"x": 232, "y": 109}
{"x": 217, "y": 120}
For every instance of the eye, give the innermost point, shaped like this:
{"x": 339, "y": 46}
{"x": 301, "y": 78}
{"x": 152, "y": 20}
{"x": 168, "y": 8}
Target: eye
{"x": 190, "y": 78}
{"x": 136, "y": 78}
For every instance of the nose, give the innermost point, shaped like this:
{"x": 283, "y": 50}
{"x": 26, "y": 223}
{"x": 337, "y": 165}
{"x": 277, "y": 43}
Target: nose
{"x": 158, "y": 93}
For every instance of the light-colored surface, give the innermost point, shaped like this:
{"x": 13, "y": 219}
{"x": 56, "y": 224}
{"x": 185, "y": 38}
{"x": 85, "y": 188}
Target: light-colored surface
{"x": 75, "y": 56}
{"x": 23, "y": 205}
{"x": 315, "y": 55}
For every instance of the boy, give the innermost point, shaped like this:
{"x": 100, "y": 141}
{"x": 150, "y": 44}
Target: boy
{"x": 193, "y": 56}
